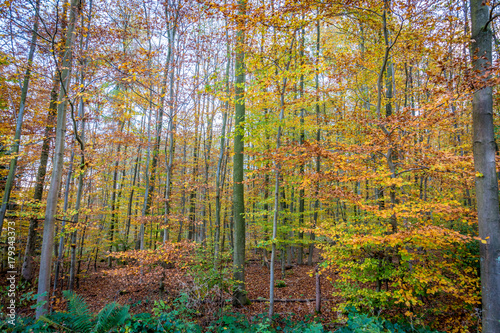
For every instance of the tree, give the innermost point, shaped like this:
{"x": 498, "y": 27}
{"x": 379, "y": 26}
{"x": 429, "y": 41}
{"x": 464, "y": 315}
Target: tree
{"x": 239, "y": 295}
{"x": 50, "y": 212}
{"x": 484, "y": 150}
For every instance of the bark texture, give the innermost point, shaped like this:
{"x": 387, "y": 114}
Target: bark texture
{"x": 239, "y": 294}
{"x": 485, "y": 167}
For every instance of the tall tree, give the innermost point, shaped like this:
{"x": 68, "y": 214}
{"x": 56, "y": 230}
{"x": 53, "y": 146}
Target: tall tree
{"x": 484, "y": 163}
{"x": 172, "y": 25}
{"x": 318, "y": 137}
{"x": 221, "y": 157}
{"x": 239, "y": 294}
{"x": 80, "y": 138}
{"x": 48, "y": 230}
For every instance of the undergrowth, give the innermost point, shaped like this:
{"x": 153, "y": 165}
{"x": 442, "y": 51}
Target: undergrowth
{"x": 178, "y": 317}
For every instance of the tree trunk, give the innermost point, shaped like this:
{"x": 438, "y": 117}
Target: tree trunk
{"x": 183, "y": 195}
{"x": 147, "y": 194}
{"x": 131, "y": 196}
{"x": 300, "y": 250}
{"x": 48, "y": 231}
{"x": 62, "y": 239}
{"x": 239, "y": 293}
{"x": 485, "y": 166}
{"x": 31, "y": 243}
{"x": 80, "y": 138}
{"x": 207, "y": 151}
{"x": 145, "y": 206}
{"x": 14, "y": 150}
{"x": 318, "y": 164}
{"x": 192, "y": 195}
{"x": 276, "y": 207}
{"x": 318, "y": 290}
{"x": 219, "y": 163}
{"x": 171, "y": 128}
{"x": 114, "y": 205}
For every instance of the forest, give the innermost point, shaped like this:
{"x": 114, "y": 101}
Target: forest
{"x": 249, "y": 166}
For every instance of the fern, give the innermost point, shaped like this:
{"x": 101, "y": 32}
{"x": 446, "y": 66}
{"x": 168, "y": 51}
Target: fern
{"x": 79, "y": 318}
{"x": 110, "y": 316}
{"x": 79, "y": 311}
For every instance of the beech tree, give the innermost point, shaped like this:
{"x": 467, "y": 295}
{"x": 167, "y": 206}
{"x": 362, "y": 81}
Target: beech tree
{"x": 239, "y": 295}
{"x": 484, "y": 150}
{"x": 50, "y": 212}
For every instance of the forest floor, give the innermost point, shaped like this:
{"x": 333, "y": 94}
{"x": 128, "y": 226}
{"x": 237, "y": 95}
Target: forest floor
{"x": 121, "y": 285}
{"x": 126, "y": 285}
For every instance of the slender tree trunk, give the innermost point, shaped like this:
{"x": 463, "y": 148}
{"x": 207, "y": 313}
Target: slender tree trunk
{"x": 156, "y": 147}
{"x": 484, "y": 163}
{"x": 276, "y": 206}
{"x": 80, "y": 254}
{"x": 79, "y": 192}
{"x": 207, "y": 151}
{"x": 171, "y": 129}
{"x": 219, "y": 163}
{"x": 239, "y": 293}
{"x": 300, "y": 250}
{"x": 147, "y": 202}
{"x": 391, "y": 153}
{"x": 114, "y": 205}
{"x": 284, "y": 208}
{"x": 31, "y": 244}
{"x": 80, "y": 138}
{"x": 145, "y": 206}
{"x": 183, "y": 195}
{"x": 168, "y": 185}
{"x": 14, "y": 150}
{"x": 318, "y": 164}
{"x": 131, "y": 196}
{"x": 48, "y": 231}
{"x": 82, "y": 242}
{"x": 62, "y": 239}
{"x": 192, "y": 195}
{"x": 318, "y": 290}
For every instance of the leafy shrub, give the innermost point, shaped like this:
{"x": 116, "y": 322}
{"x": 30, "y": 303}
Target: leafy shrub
{"x": 419, "y": 271}
{"x": 207, "y": 275}
{"x": 165, "y": 255}
{"x": 210, "y": 285}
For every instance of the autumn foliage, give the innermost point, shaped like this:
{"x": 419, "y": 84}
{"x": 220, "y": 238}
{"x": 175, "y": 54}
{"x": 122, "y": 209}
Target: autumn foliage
{"x": 357, "y": 144}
